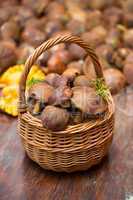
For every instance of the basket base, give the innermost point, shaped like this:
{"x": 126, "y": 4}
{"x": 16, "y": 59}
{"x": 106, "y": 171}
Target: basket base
{"x": 70, "y": 162}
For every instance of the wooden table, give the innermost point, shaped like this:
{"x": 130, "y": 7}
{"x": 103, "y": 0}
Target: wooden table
{"x": 22, "y": 179}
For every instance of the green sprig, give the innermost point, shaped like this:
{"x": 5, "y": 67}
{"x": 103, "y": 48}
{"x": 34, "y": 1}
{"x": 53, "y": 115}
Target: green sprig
{"x": 33, "y": 81}
{"x": 101, "y": 89}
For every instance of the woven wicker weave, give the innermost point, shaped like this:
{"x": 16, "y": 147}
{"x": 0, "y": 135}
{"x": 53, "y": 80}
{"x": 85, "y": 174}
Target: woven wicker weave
{"x": 76, "y": 148}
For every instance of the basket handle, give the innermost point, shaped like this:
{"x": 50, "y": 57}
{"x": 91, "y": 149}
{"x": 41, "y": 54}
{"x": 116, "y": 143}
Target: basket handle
{"x": 41, "y": 49}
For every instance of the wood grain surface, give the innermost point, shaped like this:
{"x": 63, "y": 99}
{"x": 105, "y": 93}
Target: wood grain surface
{"x": 22, "y": 179}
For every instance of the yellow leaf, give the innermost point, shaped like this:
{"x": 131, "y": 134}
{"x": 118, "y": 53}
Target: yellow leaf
{"x": 10, "y": 80}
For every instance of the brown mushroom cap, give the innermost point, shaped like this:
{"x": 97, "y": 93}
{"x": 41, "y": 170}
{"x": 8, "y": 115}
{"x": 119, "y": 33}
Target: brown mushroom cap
{"x": 128, "y": 6}
{"x": 10, "y": 30}
{"x": 64, "y": 55}
{"x": 76, "y": 64}
{"x": 76, "y": 52}
{"x": 128, "y": 20}
{"x": 38, "y": 23}
{"x": 81, "y": 80}
{"x": 95, "y": 18}
{"x": 128, "y": 38}
{"x": 115, "y": 80}
{"x": 56, "y": 80}
{"x": 37, "y": 6}
{"x": 7, "y": 55}
{"x": 55, "y": 10}
{"x": 41, "y": 91}
{"x": 53, "y": 26}
{"x": 100, "y": 4}
{"x": 129, "y": 58}
{"x": 76, "y": 27}
{"x": 24, "y": 51}
{"x": 96, "y": 36}
{"x": 6, "y": 13}
{"x": 55, "y": 64}
{"x": 128, "y": 72}
{"x": 86, "y": 100}
{"x": 71, "y": 73}
{"x": 113, "y": 16}
{"x": 23, "y": 15}
{"x": 114, "y": 38}
{"x": 55, "y": 118}
{"x": 33, "y": 36}
{"x": 61, "y": 96}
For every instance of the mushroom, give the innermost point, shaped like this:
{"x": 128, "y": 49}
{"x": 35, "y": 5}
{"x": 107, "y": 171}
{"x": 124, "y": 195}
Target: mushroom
{"x": 76, "y": 52}
{"x": 82, "y": 80}
{"x": 88, "y": 102}
{"x": 75, "y": 26}
{"x": 56, "y": 80}
{"x": 7, "y": 55}
{"x": 114, "y": 38}
{"x": 23, "y": 14}
{"x": 41, "y": 91}
{"x": 129, "y": 58}
{"x": 55, "y": 64}
{"x": 64, "y": 55}
{"x": 76, "y": 64}
{"x": 53, "y": 26}
{"x": 128, "y": 6}
{"x": 71, "y": 73}
{"x": 42, "y": 60}
{"x": 104, "y": 50}
{"x": 37, "y": 6}
{"x": 55, "y": 10}
{"x": 128, "y": 38}
{"x": 128, "y": 68}
{"x": 100, "y": 4}
{"x": 54, "y": 118}
{"x": 6, "y": 13}
{"x": 113, "y": 16}
{"x": 128, "y": 20}
{"x": 61, "y": 97}
{"x": 115, "y": 80}
{"x": 33, "y": 36}
{"x": 118, "y": 57}
{"x": 24, "y": 51}
{"x": 128, "y": 72}
{"x": 10, "y": 30}
{"x": 38, "y": 23}
{"x": 94, "y": 18}
{"x": 76, "y": 11}
{"x": 96, "y": 36}
{"x": 8, "y": 3}
{"x": 38, "y": 96}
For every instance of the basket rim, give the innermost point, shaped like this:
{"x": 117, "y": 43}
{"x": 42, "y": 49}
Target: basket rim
{"x": 70, "y": 129}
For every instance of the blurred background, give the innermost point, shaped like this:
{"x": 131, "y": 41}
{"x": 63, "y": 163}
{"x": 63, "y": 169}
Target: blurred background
{"x": 107, "y": 25}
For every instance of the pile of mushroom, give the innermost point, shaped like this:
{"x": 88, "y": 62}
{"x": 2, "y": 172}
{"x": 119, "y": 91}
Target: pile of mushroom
{"x": 63, "y": 99}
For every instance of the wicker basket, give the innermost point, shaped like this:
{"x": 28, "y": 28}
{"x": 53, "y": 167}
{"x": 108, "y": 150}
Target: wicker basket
{"x": 76, "y": 148}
